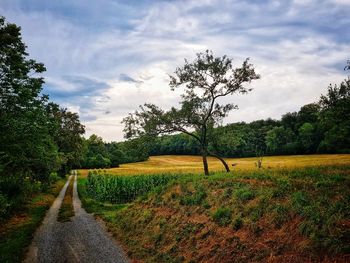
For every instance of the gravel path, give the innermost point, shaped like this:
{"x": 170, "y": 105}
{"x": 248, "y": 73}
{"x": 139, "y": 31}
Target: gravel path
{"x": 80, "y": 240}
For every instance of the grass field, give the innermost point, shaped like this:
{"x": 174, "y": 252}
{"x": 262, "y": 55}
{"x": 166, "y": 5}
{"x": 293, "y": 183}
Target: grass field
{"x": 295, "y": 209}
{"x": 193, "y": 164}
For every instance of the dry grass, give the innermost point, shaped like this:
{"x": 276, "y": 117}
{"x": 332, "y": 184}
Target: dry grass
{"x": 193, "y": 164}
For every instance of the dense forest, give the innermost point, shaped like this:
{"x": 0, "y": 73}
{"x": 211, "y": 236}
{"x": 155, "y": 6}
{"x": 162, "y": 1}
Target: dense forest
{"x": 320, "y": 127}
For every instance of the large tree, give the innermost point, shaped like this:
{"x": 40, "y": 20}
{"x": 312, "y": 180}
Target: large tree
{"x": 67, "y": 131}
{"x": 27, "y": 147}
{"x": 205, "y": 81}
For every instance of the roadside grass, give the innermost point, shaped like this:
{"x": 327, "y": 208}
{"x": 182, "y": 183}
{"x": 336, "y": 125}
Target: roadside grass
{"x": 66, "y": 211}
{"x": 16, "y": 233}
{"x": 184, "y": 164}
{"x": 294, "y": 214}
{"x": 91, "y": 205}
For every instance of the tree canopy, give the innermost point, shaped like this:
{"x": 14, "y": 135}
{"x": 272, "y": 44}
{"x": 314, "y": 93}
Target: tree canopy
{"x": 205, "y": 81}
{"x": 37, "y": 137}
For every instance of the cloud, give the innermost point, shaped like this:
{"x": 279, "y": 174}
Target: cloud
{"x": 127, "y": 78}
{"x": 97, "y": 54}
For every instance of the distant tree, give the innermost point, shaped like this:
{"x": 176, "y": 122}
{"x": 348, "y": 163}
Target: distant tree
{"x": 306, "y": 136}
{"x": 308, "y": 113}
{"x": 205, "y": 81}
{"x": 115, "y": 154}
{"x": 280, "y": 140}
{"x": 289, "y": 120}
{"x": 96, "y": 155}
{"x": 335, "y": 118}
{"x": 67, "y": 132}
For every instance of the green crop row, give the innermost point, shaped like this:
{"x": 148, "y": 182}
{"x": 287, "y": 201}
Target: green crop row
{"x": 122, "y": 189}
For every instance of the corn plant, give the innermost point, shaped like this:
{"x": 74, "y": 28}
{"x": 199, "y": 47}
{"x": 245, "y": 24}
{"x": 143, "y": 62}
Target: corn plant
{"x": 122, "y": 189}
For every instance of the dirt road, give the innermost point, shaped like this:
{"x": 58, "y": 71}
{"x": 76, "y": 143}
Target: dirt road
{"x": 80, "y": 240}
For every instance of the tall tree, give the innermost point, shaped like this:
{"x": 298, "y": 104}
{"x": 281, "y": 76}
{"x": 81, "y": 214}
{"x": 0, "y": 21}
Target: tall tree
{"x": 335, "y": 118}
{"x": 67, "y": 132}
{"x": 26, "y": 144}
{"x": 205, "y": 81}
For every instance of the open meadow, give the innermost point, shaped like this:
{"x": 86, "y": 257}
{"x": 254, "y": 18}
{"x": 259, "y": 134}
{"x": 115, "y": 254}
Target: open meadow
{"x": 193, "y": 164}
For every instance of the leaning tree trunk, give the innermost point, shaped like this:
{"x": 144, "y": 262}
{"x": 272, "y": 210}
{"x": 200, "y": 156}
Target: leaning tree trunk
{"x": 205, "y": 162}
{"x": 222, "y": 160}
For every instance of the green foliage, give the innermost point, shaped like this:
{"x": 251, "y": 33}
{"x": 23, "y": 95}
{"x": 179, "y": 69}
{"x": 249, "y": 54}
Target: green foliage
{"x": 122, "y": 189}
{"x": 244, "y": 194}
{"x": 335, "y": 118}
{"x": 317, "y": 127}
{"x": 222, "y": 216}
{"x": 36, "y": 136}
{"x": 98, "y": 154}
{"x": 194, "y": 198}
{"x": 204, "y": 80}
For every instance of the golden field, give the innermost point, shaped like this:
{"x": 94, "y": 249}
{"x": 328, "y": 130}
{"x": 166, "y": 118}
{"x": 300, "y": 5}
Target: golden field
{"x": 193, "y": 164}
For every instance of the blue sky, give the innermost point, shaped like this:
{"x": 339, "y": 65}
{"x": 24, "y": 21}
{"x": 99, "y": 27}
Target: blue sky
{"x": 104, "y": 58}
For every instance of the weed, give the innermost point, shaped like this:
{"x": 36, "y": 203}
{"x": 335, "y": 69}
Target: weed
{"x": 237, "y": 223}
{"x": 244, "y": 194}
{"x": 222, "y": 216}
{"x": 299, "y": 201}
{"x": 196, "y": 198}
{"x": 280, "y": 214}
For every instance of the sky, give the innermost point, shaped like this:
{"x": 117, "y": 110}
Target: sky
{"x": 104, "y": 58}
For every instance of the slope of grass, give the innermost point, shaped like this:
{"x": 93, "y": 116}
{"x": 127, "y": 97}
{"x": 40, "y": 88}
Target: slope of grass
{"x": 16, "y": 233}
{"x": 275, "y": 215}
{"x": 193, "y": 164}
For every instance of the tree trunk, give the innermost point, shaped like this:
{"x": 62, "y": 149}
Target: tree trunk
{"x": 205, "y": 162}
{"x": 222, "y": 160}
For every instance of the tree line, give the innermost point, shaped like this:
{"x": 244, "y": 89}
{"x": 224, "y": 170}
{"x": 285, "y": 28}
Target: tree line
{"x": 320, "y": 127}
{"x": 38, "y": 138}
{"x": 98, "y": 154}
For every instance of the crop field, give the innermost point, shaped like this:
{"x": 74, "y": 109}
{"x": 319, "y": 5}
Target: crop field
{"x": 296, "y": 211}
{"x": 193, "y": 164}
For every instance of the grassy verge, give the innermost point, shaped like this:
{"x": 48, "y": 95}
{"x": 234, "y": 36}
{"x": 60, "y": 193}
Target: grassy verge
{"x": 281, "y": 215}
{"x": 91, "y": 205}
{"x": 66, "y": 210}
{"x": 16, "y": 233}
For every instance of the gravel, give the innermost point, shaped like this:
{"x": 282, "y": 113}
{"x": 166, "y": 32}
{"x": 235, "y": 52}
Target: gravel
{"x": 82, "y": 239}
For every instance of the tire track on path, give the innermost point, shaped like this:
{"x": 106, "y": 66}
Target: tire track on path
{"x": 82, "y": 239}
